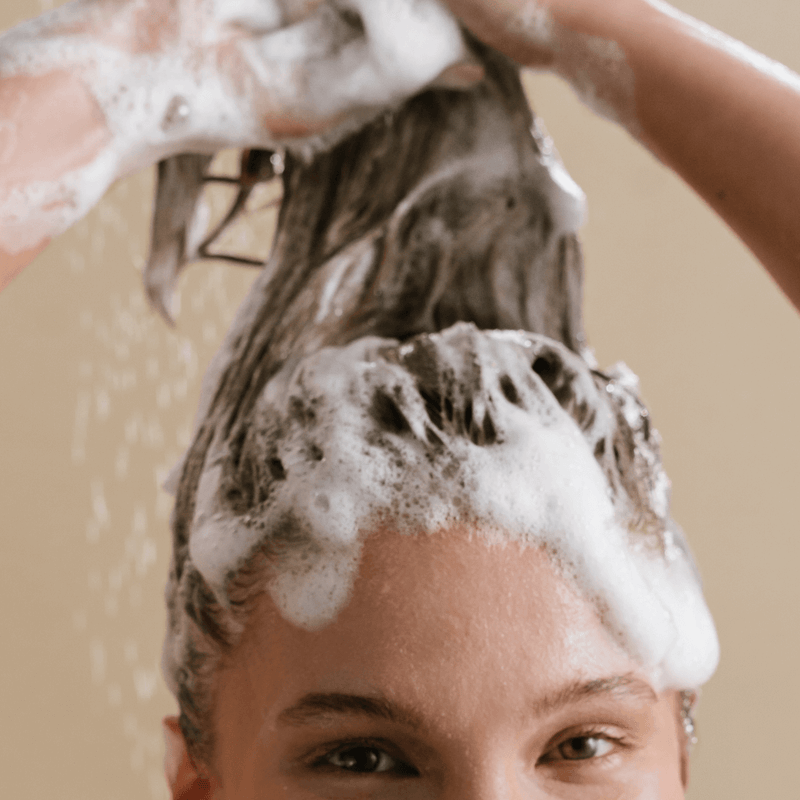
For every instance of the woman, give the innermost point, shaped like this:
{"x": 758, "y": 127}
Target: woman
{"x": 637, "y": 765}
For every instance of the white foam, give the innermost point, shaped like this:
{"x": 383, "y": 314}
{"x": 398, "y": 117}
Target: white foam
{"x": 603, "y": 80}
{"x": 44, "y": 209}
{"x": 322, "y": 67}
{"x": 596, "y": 68}
{"x": 539, "y": 483}
{"x": 307, "y": 64}
{"x": 252, "y": 15}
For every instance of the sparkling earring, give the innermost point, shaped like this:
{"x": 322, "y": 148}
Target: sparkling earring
{"x": 688, "y": 702}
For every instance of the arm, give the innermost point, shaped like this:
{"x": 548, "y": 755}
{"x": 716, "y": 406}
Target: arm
{"x": 35, "y": 162}
{"x": 70, "y": 117}
{"x": 97, "y": 89}
{"x": 725, "y": 118}
{"x": 100, "y": 88}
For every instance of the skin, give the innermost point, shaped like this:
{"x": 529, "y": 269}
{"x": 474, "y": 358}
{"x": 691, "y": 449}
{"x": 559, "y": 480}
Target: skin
{"x": 478, "y": 651}
{"x": 59, "y": 93}
{"x": 63, "y": 104}
{"x": 11, "y": 264}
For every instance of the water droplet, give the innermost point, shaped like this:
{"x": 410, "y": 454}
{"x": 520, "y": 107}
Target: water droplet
{"x": 278, "y": 163}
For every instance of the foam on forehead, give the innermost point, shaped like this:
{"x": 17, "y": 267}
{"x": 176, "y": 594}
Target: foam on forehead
{"x": 510, "y": 432}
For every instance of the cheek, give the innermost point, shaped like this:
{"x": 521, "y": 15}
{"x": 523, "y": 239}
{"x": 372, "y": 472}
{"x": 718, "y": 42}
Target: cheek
{"x": 652, "y": 786}
{"x": 668, "y": 760}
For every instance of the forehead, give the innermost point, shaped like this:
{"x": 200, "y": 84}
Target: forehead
{"x": 434, "y": 620}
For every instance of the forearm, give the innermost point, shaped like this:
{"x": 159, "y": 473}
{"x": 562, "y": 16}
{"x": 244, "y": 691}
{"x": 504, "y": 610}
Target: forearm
{"x": 738, "y": 144}
{"x": 82, "y": 103}
{"x": 54, "y": 161}
{"x": 58, "y": 153}
{"x": 55, "y": 145}
{"x": 722, "y": 116}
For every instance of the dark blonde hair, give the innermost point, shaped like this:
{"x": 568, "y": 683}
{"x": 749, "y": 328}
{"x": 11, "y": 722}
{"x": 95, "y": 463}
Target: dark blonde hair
{"x": 444, "y": 211}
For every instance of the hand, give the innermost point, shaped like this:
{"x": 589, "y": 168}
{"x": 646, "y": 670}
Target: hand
{"x": 256, "y": 73}
{"x": 131, "y": 82}
{"x": 521, "y": 29}
{"x": 542, "y": 33}
{"x": 576, "y": 39}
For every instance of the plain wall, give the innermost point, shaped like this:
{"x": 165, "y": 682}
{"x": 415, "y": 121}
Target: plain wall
{"x": 97, "y": 397}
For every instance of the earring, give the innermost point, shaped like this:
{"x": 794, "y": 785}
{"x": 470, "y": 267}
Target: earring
{"x": 688, "y": 703}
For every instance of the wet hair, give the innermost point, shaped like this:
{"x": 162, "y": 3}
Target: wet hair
{"x": 378, "y": 332}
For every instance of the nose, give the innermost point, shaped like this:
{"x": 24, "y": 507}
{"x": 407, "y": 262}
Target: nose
{"x": 493, "y": 777}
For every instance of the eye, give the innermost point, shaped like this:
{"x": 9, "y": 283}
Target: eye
{"x": 581, "y": 748}
{"x": 365, "y": 759}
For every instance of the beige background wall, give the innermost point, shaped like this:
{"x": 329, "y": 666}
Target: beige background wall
{"x": 97, "y": 395}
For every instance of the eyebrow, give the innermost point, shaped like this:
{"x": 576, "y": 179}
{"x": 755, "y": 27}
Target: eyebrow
{"x": 318, "y": 707}
{"x": 619, "y": 687}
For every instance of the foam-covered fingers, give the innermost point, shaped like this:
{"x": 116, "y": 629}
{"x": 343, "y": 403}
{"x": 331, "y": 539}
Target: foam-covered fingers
{"x": 409, "y": 43}
{"x": 261, "y": 16}
{"x": 521, "y": 29}
{"x": 346, "y": 59}
{"x": 384, "y": 52}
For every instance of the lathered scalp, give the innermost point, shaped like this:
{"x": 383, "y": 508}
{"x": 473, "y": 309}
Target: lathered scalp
{"x": 508, "y": 432}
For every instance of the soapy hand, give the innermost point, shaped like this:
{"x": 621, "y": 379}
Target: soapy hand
{"x": 260, "y": 73}
{"x": 575, "y": 39}
{"x": 198, "y": 62}
{"x": 534, "y": 33}
{"x": 521, "y": 29}
{"x": 132, "y": 82}
{"x": 177, "y": 75}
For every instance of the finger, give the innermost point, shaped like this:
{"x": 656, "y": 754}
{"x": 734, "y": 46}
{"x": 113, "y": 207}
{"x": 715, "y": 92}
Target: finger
{"x": 410, "y": 43}
{"x": 262, "y": 16}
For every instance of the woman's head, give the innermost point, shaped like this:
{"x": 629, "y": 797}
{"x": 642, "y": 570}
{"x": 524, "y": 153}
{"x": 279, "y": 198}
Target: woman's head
{"x": 365, "y": 411}
{"x": 507, "y": 436}
{"x": 458, "y": 668}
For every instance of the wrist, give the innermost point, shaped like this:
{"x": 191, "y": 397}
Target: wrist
{"x": 592, "y": 45}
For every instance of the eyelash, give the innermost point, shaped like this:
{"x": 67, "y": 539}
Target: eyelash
{"x": 322, "y": 762}
{"x": 604, "y": 734}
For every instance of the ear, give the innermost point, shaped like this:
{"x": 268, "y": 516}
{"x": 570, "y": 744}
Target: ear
{"x": 183, "y": 778}
{"x": 685, "y": 761}
{"x": 684, "y": 741}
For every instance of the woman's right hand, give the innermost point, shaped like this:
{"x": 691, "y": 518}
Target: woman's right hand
{"x": 130, "y": 82}
{"x": 262, "y": 73}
